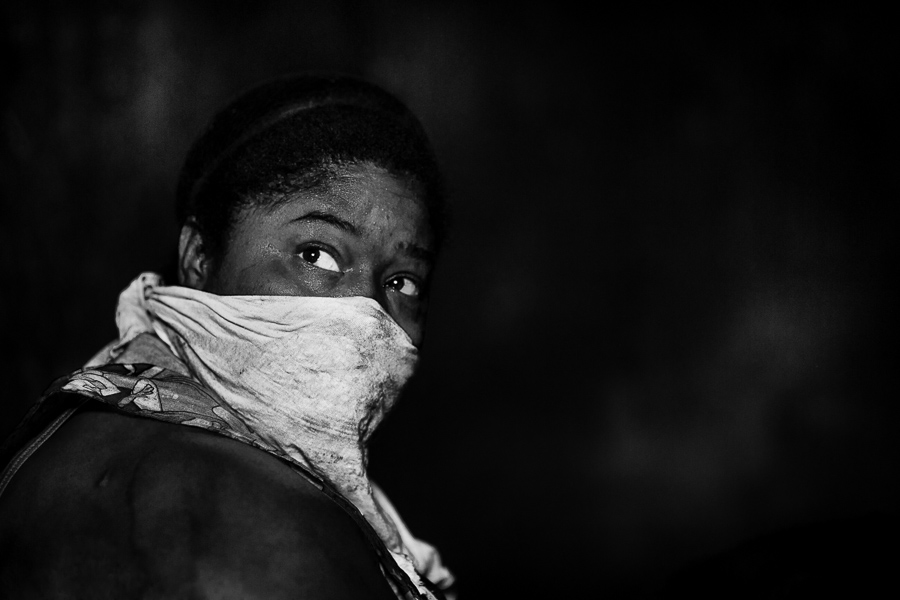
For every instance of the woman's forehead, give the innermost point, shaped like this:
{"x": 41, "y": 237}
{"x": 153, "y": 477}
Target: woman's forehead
{"x": 362, "y": 183}
{"x": 364, "y": 200}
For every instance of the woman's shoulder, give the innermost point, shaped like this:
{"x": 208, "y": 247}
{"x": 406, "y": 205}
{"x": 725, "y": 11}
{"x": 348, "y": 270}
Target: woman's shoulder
{"x": 148, "y": 504}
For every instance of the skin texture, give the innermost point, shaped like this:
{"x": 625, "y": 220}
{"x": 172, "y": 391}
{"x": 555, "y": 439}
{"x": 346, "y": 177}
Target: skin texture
{"x": 119, "y": 507}
{"x": 366, "y": 236}
{"x": 175, "y": 512}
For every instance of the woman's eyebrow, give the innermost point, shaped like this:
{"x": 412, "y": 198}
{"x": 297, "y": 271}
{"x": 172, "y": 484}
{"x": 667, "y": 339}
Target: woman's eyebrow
{"x": 331, "y": 219}
{"x": 419, "y": 253}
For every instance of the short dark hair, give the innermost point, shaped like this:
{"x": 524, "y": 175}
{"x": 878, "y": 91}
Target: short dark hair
{"x": 293, "y": 134}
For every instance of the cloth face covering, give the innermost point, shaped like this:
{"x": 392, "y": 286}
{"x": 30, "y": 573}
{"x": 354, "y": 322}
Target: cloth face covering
{"x": 310, "y": 377}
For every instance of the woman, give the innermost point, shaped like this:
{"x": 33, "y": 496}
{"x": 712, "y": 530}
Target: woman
{"x": 217, "y": 449}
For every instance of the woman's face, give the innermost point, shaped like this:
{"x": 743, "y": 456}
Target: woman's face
{"x": 368, "y": 235}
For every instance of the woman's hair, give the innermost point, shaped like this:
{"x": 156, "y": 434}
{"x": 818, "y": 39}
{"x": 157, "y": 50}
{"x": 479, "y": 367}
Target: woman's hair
{"x": 293, "y": 135}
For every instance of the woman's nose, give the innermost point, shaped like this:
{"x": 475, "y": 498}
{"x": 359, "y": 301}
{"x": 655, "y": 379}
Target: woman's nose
{"x": 363, "y": 282}
{"x": 370, "y": 285}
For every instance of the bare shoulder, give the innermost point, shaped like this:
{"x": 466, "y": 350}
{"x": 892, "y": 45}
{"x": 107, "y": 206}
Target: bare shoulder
{"x": 168, "y": 511}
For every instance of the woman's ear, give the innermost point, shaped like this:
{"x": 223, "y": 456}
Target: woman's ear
{"x": 193, "y": 263}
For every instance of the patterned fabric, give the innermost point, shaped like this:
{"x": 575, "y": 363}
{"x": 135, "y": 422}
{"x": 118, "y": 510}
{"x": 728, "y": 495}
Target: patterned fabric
{"x": 150, "y": 391}
{"x": 304, "y": 379}
{"x": 309, "y": 378}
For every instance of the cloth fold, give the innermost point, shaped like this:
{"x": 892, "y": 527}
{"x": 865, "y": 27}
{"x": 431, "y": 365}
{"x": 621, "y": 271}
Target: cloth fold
{"x": 305, "y": 378}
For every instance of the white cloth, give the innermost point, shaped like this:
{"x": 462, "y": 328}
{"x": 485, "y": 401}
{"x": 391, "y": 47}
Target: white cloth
{"x": 311, "y": 377}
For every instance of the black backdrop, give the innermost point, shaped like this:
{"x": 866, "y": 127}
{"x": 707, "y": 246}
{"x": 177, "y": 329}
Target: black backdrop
{"x": 665, "y": 322}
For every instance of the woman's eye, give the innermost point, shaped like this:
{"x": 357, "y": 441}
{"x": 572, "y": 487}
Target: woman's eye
{"x": 404, "y": 285}
{"x": 320, "y": 258}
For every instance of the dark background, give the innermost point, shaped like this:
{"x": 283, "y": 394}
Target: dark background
{"x": 665, "y": 324}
